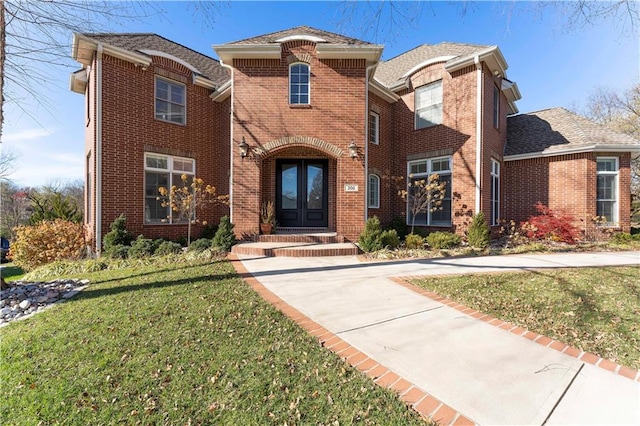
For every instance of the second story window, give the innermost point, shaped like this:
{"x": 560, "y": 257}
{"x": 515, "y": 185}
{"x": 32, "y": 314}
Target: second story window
{"x": 299, "y": 88}
{"x": 428, "y": 103}
{"x": 374, "y": 128}
{"x": 170, "y": 101}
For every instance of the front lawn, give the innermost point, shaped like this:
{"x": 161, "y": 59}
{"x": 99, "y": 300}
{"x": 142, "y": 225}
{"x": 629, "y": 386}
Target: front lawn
{"x": 594, "y": 309}
{"x": 179, "y": 343}
{"x": 10, "y": 272}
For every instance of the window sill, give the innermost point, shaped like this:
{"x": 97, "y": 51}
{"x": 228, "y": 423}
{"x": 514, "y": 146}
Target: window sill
{"x": 171, "y": 122}
{"x": 300, "y": 106}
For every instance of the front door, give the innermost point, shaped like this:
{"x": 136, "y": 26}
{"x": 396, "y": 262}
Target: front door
{"x": 301, "y": 193}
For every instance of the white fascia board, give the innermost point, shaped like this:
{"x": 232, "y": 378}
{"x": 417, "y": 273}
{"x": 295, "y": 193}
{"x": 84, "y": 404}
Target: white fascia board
{"x": 404, "y": 84}
{"x": 577, "y": 150}
{"x": 83, "y": 44}
{"x": 305, "y": 37}
{"x": 492, "y": 56}
{"x": 173, "y": 58}
{"x": 371, "y": 53}
{"x": 222, "y": 92}
{"x": 78, "y": 81}
{"x": 227, "y": 53}
{"x": 378, "y": 89}
{"x": 427, "y": 63}
{"x": 203, "y": 81}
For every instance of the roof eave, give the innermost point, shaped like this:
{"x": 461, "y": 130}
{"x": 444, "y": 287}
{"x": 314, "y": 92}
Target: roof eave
{"x": 222, "y": 92}
{"x": 378, "y": 89}
{"x": 576, "y": 150}
{"x": 227, "y": 53}
{"x": 492, "y": 56}
{"x": 371, "y": 53}
{"x": 84, "y": 47}
{"x": 78, "y": 81}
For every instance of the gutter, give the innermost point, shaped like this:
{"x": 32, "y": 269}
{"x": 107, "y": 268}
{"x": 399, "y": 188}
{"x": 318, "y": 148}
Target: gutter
{"x": 223, "y": 88}
{"x": 98, "y": 186}
{"x": 366, "y": 140}
{"x": 577, "y": 150}
{"x": 479, "y": 73}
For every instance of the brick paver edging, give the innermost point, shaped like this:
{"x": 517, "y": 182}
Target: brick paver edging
{"x": 425, "y": 404}
{"x": 537, "y": 338}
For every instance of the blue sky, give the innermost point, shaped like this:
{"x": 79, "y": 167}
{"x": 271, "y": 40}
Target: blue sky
{"x": 552, "y": 64}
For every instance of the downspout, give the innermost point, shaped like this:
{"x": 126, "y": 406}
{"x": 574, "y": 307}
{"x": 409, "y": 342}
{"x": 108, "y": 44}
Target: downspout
{"x": 476, "y": 60}
{"x": 366, "y": 140}
{"x": 230, "y": 68}
{"x": 98, "y": 188}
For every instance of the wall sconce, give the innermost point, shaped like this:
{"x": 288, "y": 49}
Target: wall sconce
{"x": 353, "y": 150}
{"x": 244, "y": 148}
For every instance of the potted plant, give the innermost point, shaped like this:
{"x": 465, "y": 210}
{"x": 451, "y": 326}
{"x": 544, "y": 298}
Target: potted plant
{"x": 267, "y": 217}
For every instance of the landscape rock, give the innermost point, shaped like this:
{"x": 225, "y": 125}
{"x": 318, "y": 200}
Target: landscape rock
{"x": 25, "y": 298}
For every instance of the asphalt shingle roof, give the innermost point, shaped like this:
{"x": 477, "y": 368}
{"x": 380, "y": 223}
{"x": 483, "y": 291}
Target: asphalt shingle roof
{"x": 390, "y": 72}
{"x": 136, "y": 42}
{"x": 329, "y": 37}
{"x": 556, "y": 130}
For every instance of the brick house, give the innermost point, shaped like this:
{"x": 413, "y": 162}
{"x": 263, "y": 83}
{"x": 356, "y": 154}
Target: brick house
{"x": 319, "y": 124}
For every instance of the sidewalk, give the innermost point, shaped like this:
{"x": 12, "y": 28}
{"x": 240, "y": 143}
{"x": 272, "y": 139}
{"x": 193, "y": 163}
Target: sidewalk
{"x": 484, "y": 373}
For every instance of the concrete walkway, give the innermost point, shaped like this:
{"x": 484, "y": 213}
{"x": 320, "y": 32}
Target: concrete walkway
{"x": 487, "y": 371}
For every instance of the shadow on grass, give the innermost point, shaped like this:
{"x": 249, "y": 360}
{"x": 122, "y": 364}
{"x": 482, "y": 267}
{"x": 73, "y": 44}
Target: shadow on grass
{"x": 11, "y": 272}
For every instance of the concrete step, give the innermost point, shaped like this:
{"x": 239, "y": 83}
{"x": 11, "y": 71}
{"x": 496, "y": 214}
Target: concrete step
{"x": 317, "y": 238}
{"x": 295, "y": 249}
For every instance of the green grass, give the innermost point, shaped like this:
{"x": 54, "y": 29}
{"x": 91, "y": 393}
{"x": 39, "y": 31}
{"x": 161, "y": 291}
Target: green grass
{"x": 10, "y": 272}
{"x": 594, "y": 309}
{"x": 186, "y": 343}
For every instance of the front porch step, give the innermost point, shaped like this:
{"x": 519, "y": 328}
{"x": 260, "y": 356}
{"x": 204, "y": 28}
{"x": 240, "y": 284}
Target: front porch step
{"x": 318, "y": 238}
{"x": 295, "y": 249}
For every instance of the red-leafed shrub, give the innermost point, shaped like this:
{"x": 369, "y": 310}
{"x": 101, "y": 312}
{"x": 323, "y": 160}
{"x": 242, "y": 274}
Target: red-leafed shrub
{"x": 551, "y": 225}
{"x": 46, "y": 242}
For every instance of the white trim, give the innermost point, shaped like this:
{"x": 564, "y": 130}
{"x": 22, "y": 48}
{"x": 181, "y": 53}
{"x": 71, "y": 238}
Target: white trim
{"x": 479, "y": 76}
{"x": 78, "y": 81}
{"x": 371, "y": 53}
{"x": 429, "y": 162}
{"x": 616, "y": 203}
{"x": 82, "y": 45}
{"x": 98, "y": 186}
{"x": 576, "y": 150}
{"x": 170, "y": 102}
{"x": 308, "y": 83}
{"x": 170, "y": 171}
{"x": 376, "y": 205}
{"x": 222, "y": 92}
{"x": 416, "y": 109}
{"x": 301, "y": 37}
{"x": 377, "y": 88}
{"x": 200, "y": 80}
{"x": 228, "y": 88}
{"x": 492, "y": 56}
{"x": 227, "y": 53}
{"x": 427, "y": 63}
{"x": 495, "y": 213}
{"x": 376, "y": 140}
{"x": 173, "y": 58}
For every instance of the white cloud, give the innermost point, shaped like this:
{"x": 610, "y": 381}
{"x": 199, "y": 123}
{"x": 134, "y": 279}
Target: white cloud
{"x": 26, "y": 135}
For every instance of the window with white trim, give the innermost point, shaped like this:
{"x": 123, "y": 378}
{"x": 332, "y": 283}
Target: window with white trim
{"x": 428, "y": 105}
{"x": 170, "y": 101}
{"x": 374, "y": 191}
{"x": 607, "y": 188}
{"x": 422, "y": 169}
{"x": 496, "y": 107}
{"x": 495, "y": 192}
{"x": 299, "y": 84}
{"x": 163, "y": 171}
{"x": 374, "y": 128}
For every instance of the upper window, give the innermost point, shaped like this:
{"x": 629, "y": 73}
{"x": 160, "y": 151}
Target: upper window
{"x": 374, "y": 128}
{"x": 163, "y": 171}
{"x": 299, "y": 84}
{"x": 495, "y": 192}
{"x": 421, "y": 170}
{"x": 374, "y": 191}
{"x": 496, "y": 107}
{"x": 170, "y": 101}
{"x": 428, "y": 101}
{"x": 607, "y": 189}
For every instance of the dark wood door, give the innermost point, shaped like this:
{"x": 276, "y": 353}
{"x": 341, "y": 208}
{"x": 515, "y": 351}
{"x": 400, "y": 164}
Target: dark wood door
{"x": 301, "y": 193}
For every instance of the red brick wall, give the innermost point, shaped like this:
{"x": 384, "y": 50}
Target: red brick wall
{"x": 335, "y": 116}
{"x": 565, "y": 183}
{"x": 380, "y": 161}
{"x": 130, "y": 129}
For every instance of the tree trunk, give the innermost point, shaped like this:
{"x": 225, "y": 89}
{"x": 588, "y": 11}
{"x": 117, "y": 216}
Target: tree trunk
{"x": 3, "y": 35}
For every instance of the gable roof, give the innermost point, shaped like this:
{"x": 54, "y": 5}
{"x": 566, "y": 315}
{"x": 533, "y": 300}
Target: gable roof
{"x": 326, "y": 36}
{"x": 557, "y": 131}
{"x": 146, "y": 43}
{"x": 392, "y": 72}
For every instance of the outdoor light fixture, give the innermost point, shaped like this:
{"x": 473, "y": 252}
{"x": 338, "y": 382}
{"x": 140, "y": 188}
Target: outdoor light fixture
{"x": 353, "y": 150}
{"x": 244, "y": 148}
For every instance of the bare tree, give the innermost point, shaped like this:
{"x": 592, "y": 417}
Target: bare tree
{"x": 7, "y": 163}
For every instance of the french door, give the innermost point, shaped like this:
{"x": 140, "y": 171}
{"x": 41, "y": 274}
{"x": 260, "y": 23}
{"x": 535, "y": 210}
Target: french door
{"x": 301, "y": 193}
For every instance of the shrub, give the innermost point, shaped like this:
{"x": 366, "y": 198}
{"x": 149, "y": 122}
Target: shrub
{"x": 167, "y": 248}
{"x": 399, "y": 224}
{"x": 225, "y": 238}
{"x": 551, "y": 225}
{"x": 478, "y": 234}
{"x": 208, "y": 231}
{"x": 142, "y": 247}
{"x": 622, "y": 238}
{"x": 390, "y": 239}
{"x": 46, "y": 242}
{"x": 201, "y": 244}
{"x": 414, "y": 241}
{"x": 371, "y": 237}
{"x": 443, "y": 240}
{"x": 118, "y": 236}
{"x": 119, "y": 251}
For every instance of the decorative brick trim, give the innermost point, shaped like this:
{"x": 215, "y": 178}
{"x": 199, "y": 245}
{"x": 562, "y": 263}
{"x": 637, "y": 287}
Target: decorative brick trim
{"x": 534, "y": 337}
{"x": 426, "y": 405}
{"x": 299, "y": 57}
{"x": 271, "y": 147}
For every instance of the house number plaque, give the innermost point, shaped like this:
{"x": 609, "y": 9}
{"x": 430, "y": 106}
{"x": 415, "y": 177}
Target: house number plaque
{"x": 350, "y": 187}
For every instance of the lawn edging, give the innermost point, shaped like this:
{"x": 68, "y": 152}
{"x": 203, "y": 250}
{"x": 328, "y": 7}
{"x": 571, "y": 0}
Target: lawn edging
{"x": 425, "y": 404}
